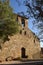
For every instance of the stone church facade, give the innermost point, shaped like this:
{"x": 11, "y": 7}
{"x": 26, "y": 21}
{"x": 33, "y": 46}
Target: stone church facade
{"x": 24, "y": 45}
{"x": 31, "y": 46}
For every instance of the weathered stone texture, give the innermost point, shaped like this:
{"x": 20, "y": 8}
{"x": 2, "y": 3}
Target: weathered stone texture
{"x": 12, "y": 49}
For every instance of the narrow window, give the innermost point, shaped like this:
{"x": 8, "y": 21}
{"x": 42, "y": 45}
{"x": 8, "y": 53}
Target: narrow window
{"x": 20, "y": 31}
{"x": 25, "y": 33}
{"x": 23, "y": 23}
{"x": 42, "y": 50}
{"x": 34, "y": 40}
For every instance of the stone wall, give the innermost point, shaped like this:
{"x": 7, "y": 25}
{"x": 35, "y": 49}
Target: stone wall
{"x": 13, "y": 47}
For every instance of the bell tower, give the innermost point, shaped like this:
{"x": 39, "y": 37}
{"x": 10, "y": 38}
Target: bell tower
{"x": 23, "y": 21}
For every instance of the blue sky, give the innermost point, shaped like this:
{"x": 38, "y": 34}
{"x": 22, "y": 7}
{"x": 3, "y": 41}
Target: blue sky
{"x": 18, "y": 8}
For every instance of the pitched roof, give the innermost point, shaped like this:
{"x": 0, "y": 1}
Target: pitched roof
{"x": 21, "y": 16}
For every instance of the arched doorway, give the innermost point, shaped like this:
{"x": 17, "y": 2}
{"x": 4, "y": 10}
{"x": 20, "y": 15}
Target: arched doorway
{"x": 23, "y": 53}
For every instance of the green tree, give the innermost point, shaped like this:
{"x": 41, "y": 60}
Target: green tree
{"x": 8, "y": 22}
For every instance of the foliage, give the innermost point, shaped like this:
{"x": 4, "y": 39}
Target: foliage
{"x": 8, "y": 23}
{"x": 35, "y": 10}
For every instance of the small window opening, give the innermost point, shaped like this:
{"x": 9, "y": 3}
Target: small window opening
{"x": 42, "y": 50}
{"x": 34, "y": 40}
{"x": 23, "y": 23}
{"x": 20, "y": 31}
{"x": 25, "y": 33}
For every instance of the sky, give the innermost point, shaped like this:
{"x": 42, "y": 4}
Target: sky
{"x": 21, "y": 7}
{"x": 18, "y": 8}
